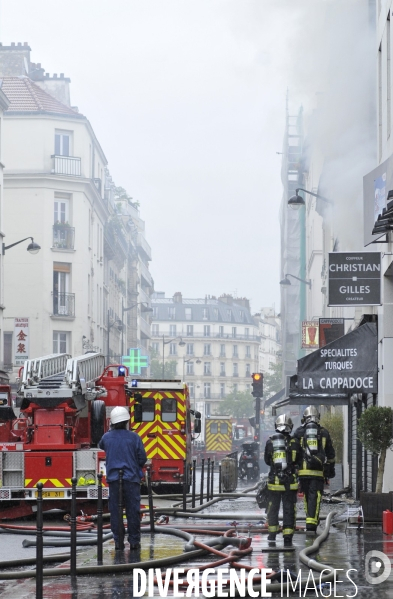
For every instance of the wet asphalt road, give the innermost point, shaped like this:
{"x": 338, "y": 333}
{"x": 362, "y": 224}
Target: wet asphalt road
{"x": 343, "y": 550}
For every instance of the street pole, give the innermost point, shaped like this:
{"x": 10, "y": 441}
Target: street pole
{"x": 107, "y": 363}
{"x": 163, "y": 357}
{"x": 257, "y": 423}
{"x": 122, "y": 328}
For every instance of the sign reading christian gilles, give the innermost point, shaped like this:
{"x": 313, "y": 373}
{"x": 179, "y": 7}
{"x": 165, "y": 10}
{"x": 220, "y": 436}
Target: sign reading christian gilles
{"x": 354, "y": 278}
{"x": 347, "y": 365}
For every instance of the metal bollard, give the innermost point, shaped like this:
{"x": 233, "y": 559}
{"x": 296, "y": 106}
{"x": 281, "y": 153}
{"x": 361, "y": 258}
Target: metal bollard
{"x": 73, "y": 527}
{"x": 208, "y": 480}
{"x": 202, "y": 475}
{"x": 120, "y": 531}
{"x": 99, "y": 520}
{"x": 39, "y": 578}
{"x": 193, "y": 482}
{"x": 219, "y": 479}
{"x": 185, "y": 481}
{"x": 150, "y": 496}
{"x": 212, "y": 481}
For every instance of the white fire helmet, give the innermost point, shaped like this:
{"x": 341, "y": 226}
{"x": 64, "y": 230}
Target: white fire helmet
{"x": 119, "y": 414}
{"x": 311, "y": 414}
{"x": 283, "y": 424}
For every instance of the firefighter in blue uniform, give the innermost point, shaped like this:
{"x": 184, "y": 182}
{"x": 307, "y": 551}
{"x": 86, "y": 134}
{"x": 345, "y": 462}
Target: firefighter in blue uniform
{"x": 317, "y": 463}
{"x": 282, "y": 455}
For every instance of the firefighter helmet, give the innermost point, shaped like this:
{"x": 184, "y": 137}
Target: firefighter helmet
{"x": 119, "y": 414}
{"x": 283, "y": 424}
{"x": 311, "y": 414}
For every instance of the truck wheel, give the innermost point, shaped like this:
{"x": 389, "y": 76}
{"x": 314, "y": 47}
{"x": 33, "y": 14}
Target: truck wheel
{"x": 97, "y": 421}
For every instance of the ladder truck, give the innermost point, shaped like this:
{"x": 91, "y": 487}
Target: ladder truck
{"x": 55, "y": 435}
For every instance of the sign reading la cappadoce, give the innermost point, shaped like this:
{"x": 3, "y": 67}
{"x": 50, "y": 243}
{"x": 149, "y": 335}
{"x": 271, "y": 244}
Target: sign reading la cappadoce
{"x": 354, "y": 278}
{"x": 347, "y": 365}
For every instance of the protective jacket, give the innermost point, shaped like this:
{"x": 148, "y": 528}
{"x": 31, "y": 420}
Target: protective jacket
{"x": 318, "y": 463}
{"x": 283, "y": 480}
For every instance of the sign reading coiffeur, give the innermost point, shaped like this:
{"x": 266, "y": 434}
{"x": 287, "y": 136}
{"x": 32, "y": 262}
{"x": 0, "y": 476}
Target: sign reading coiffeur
{"x": 354, "y": 278}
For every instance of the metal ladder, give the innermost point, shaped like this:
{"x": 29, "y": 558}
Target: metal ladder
{"x": 39, "y": 368}
{"x": 83, "y": 371}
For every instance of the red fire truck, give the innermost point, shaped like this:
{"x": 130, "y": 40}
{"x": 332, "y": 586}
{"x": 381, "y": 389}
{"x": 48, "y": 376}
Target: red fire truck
{"x": 64, "y": 406}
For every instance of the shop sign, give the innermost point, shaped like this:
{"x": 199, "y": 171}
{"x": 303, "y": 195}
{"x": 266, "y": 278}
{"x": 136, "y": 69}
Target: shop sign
{"x": 310, "y": 336}
{"x": 354, "y": 278}
{"x": 21, "y": 340}
{"x": 330, "y": 329}
{"x": 347, "y": 365}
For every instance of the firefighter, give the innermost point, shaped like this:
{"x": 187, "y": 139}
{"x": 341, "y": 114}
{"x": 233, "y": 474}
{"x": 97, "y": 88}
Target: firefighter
{"x": 282, "y": 455}
{"x": 124, "y": 451}
{"x": 317, "y": 463}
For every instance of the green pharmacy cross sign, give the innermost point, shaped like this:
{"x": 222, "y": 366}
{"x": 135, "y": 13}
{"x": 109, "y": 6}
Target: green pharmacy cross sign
{"x": 134, "y": 361}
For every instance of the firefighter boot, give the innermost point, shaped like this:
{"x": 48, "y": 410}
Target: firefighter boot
{"x": 288, "y": 541}
{"x": 271, "y": 537}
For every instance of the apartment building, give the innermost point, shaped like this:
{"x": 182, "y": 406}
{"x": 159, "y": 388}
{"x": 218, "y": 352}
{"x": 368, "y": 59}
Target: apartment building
{"x": 214, "y": 342}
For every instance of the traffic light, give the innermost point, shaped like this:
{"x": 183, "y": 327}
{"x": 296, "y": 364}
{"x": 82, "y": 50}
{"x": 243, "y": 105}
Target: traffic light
{"x": 257, "y": 384}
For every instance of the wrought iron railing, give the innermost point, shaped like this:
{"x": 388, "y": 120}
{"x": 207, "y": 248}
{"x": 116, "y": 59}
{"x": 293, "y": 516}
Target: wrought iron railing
{"x": 63, "y": 304}
{"x": 63, "y": 237}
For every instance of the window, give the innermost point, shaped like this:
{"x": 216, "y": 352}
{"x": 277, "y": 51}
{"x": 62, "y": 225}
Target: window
{"x": 59, "y": 342}
{"x": 235, "y": 354}
{"x": 235, "y": 369}
{"x": 248, "y": 370}
{"x": 190, "y": 349}
{"x": 206, "y": 390}
{"x": 60, "y": 212}
{"x": 207, "y": 368}
{"x": 221, "y": 331}
{"x": 215, "y": 313}
{"x": 213, "y": 428}
{"x": 147, "y": 409}
{"x": 190, "y": 367}
{"x": 190, "y": 330}
{"x": 191, "y": 389}
{"x": 235, "y": 388}
{"x": 173, "y": 349}
{"x": 62, "y": 299}
{"x": 222, "y": 390}
{"x": 241, "y": 314}
{"x": 247, "y": 332}
{"x": 248, "y": 351}
{"x": 171, "y": 312}
{"x": 224, "y": 428}
{"x": 248, "y": 387}
{"x": 229, "y": 315}
{"x": 155, "y": 329}
{"x": 222, "y": 350}
{"x": 206, "y": 330}
{"x": 8, "y": 349}
{"x": 205, "y": 314}
{"x": 62, "y": 144}
{"x": 233, "y": 331}
{"x": 168, "y": 410}
{"x": 188, "y": 313}
{"x": 172, "y": 330}
{"x": 222, "y": 368}
{"x": 155, "y": 312}
{"x": 206, "y": 349}
{"x": 155, "y": 347}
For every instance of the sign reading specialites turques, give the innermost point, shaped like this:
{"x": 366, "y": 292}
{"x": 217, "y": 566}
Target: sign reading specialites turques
{"x": 347, "y": 365}
{"x": 354, "y": 278}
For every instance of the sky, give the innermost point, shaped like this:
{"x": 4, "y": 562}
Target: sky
{"x": 188, "y": 101}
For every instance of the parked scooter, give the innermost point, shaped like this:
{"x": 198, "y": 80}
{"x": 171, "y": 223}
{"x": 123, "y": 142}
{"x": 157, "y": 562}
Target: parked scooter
{"x": 249, "y": 461}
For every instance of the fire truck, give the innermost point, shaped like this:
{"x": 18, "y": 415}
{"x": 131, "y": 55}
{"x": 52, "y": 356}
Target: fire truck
{"x": 63, "y": 408}
{"x": 218, "y": 439}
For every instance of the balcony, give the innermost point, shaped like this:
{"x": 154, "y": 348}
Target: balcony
{"x": 146, "y": 275}
{"x": 63, "y": 237}
{"x": 67, "y": 165}
{"x": 144, "y": 246}
{"x": 198, "y": 335}
{"x": 63, "y": 304}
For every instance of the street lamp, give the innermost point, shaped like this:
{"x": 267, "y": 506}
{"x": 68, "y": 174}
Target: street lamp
{"x": 286, "y": 281}
{"x": 32, "y": 248}
{"x": 164, "y": 343}
{"x": 297, "y": 201}
{"x": 145, "y": 308}
{"x": 192, "y": 359}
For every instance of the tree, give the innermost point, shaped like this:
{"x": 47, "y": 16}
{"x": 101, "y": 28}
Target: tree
{"x": 272, "y": 380}
{"x": 238, "y": 404}
{"x": 334, "y": 423}
{"x": 169, "y": 369}
{"x": 122, "y": 195}
{"x": 375, "y": 433}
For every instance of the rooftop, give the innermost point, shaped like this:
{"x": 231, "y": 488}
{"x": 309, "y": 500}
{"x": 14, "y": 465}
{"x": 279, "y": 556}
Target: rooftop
{"x": 26, "y": 96}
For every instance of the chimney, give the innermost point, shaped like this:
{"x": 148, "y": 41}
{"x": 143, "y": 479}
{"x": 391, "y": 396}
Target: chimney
{"x": 177, "y": 298}
{"x": 14, "y": 60}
